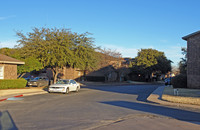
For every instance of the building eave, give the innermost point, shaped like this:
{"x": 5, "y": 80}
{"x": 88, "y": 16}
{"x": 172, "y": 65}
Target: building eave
{"x": 11, "y": 62}
{"x": 190, "y": 35}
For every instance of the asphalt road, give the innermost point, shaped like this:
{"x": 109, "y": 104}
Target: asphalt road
{"x": 95, "y": 107}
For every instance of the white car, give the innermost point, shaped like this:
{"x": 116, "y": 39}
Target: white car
{"x": 64, "y": 86}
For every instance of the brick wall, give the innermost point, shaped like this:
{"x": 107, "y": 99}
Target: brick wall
{"x": 71, "y": 73}
{"x": 10, "y": 71}
{"x": 193, "y": 63}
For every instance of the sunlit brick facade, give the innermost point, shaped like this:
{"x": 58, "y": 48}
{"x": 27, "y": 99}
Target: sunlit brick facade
{"x": 193, "y": 60}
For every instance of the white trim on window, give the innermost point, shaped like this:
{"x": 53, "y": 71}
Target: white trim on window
{"x": 1, "y": 72}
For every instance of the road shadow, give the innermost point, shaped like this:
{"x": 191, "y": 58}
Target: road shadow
{"x": 142, "y": 91}
{"x": 183, "y": 115}
{"x": 6, "y": 121}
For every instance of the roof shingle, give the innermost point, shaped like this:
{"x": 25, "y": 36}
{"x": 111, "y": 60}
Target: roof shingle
{"x": 9, "y": 60}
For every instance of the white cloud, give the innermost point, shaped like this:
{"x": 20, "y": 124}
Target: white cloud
{"x": 126, "y": 52}
{"x": 7, "y": 17}
{"x": 2, "y": 18}
{"x": 8, "y": 43}
{"x": 163, "y": 41}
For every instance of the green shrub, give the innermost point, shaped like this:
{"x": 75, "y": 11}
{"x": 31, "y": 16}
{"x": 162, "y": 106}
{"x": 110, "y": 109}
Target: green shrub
{"x": 179, "y": 81}
{"x": 12, "y": 83}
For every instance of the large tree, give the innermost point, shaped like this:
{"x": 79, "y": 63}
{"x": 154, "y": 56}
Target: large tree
{"x": 58, "y": 48}
{"x": 85, "y": 53}
{"x": 151, "y": 60}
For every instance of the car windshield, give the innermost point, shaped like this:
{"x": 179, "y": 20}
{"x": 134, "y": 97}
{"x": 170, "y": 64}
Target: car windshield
{"x": 36, "y": 78}
{"x": 62, "y": 82}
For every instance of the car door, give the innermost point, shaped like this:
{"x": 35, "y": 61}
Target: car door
{"x": 39, "y": 82}
{"x": 46, "y": 82}
{"x": 73, "y": 85}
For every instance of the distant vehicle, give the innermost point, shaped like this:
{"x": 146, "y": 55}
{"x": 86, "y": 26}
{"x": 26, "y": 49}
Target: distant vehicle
{"x": 64, "y": 86}
{"x": 28, "y": 78}
{"x": 168, "y": 81}
{"x": 38, "y": 81}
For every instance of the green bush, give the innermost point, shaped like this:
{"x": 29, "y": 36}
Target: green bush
{"x": 12, "y": 83}
{"x": 179, "y": 81}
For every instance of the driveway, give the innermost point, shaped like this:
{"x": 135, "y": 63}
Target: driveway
{"x": 96, "y": 107}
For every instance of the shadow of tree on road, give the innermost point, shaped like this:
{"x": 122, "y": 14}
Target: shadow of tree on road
{"x": 183, "y": 115}
{"x": 143, "y": 91}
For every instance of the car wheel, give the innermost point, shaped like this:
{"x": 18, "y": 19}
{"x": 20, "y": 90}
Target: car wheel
{"x": 67, "y": 91}
{"x": 77, "y": 89}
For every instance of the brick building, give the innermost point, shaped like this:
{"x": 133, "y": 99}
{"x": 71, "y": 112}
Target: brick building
{"x": 193, "y": 59}
{"x": 8, "y": 67}
{"x": 71, "y": 73}
{"x": 109, "y": 70}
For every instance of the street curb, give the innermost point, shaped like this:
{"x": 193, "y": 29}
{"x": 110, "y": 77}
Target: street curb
{"x": 119, "y": 84}
{"x": 3, "y": 99}
{"x": 24, "y": 94}
{"x": 34, "y": 93}
{"x": 21, "y": 95}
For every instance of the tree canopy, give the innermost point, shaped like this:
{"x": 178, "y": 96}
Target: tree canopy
{"x": 58, "y": 48}
{"x": 151, "y": 60}
{"x": 31, "y": 64}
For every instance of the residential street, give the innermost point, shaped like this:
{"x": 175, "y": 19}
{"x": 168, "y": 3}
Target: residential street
{"x": 97, "y": 107}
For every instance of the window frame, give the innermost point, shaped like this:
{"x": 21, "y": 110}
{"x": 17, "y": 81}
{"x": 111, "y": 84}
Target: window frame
{"x": 2, "y": 72}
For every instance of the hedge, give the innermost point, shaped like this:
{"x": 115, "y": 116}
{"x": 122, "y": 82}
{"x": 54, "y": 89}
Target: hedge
{"x": 179, "y": 81}
{"x": 12, "y": 83}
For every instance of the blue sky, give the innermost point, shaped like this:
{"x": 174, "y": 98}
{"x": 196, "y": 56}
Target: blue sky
{"x": 122, "y": 25}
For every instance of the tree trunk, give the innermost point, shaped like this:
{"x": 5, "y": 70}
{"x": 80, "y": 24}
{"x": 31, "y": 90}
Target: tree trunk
{"x": 55, "y": 77}
{"x": 56, "y": 71}
{"x": 20, "y": 76}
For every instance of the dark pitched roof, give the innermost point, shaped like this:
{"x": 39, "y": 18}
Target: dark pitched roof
{"x": 9, "y": 60}
{"x": 190, "y": 35}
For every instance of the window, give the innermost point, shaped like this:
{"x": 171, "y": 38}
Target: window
{"x": 70, "y": 82}
{"x": 73, "y": 82}
{"x": 1, "y": 72}
{"x": 36, "y": 78}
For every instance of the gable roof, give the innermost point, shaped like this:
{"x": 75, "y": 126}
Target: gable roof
{"x": 9, "y": 60}
{"x": 190, "y": 35}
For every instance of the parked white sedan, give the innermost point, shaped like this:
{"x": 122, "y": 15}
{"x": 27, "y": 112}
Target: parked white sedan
{"x": 64, "y": 86}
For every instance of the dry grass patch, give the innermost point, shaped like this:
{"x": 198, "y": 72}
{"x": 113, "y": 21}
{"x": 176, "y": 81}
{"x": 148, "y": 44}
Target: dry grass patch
{"x": 185, "y": 100}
